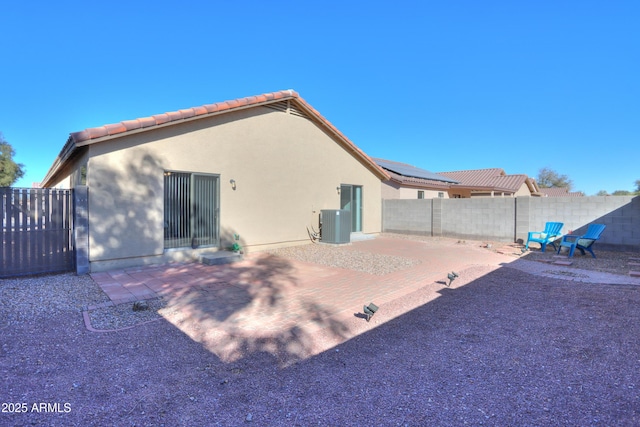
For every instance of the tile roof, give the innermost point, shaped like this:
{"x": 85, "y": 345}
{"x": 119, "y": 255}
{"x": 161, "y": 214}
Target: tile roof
{"x": 475, "y": 178}
{"x": 560, "y": 192}
{"x": 180, "y": 115}
{"x": 101, "y": 133}
{"x": 491, "y": 179}
{"x": 508, "y": 182}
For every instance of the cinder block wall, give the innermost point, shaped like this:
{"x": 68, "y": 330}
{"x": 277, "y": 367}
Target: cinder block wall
{"x": 407, "y": 216}
{"x": 621, "y": 215}
{"x": 485, "y": 218}
{"x": 510, "y": 219}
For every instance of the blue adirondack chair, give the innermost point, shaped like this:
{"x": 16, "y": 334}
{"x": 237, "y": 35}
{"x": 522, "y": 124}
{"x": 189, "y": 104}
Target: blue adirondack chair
{"x": 548, "y": 236}
{"x": 584, "y": 242}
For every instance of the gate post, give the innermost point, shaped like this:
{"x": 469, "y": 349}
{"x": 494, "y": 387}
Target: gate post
{"x": 81, "y": 228}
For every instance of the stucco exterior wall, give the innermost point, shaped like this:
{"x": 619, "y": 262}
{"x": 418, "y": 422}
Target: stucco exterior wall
{"x": 392, "y": 190}
{"x": 71, "y": 174}
{"x": 286, "y": 170}
{"x": 63, "y": 183}
{"x": 523, "y": 191}
{"x": 412, "y": 193}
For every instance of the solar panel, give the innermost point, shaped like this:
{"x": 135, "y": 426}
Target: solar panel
{"x": 412, "y": 171}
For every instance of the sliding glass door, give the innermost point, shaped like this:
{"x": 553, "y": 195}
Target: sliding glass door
{"x": 351, "y": 200}
{"x": 190, "y": 210}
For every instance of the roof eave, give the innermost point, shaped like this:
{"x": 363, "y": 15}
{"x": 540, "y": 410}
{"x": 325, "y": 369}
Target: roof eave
{"x": 483, "y": 188}
{"x": 65, "y": 154}
{"x": 96, "y": 135}
{"x": 419, "y": 185}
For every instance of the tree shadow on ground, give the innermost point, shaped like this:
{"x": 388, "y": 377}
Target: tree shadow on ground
{"x": 499, "y": 347}
{"x": 253, "y": 306}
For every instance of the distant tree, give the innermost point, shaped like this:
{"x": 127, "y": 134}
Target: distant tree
{"x": 602, "y": 193}
{"x": 637, "y": 186}
{"x": 10, "y": 171}
{"x": 622, "y": 193}
{"x": 548, "y": 178}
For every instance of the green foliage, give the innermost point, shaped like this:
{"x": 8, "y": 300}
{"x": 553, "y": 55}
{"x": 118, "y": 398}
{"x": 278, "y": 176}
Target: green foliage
{"x": 548, "y": 178}
{"x": 235, "y": 247}
{"x": 10, "y": 171}
{"x": 622, "y": 193}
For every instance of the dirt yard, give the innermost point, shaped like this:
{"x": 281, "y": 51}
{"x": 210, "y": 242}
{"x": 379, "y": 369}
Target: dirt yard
{"x": 504, "y": 348}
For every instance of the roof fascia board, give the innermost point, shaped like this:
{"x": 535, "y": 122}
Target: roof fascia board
{"x": 65, "y": 154}
{"x": 419, "y": 185}
{"x": 481, "y": 188}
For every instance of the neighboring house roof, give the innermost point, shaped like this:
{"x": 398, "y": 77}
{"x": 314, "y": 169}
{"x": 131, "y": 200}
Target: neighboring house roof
{"x": 98, "y": 134}
{"x": 418, "y": 182}
{"x": 560, "y": 192}
{"x": 474, "y": 178}
{"x": 493, "y": 179}
{"x": 509, "y": 182}
{"x": 411, "y": 176}
{"x": 408, "y": 171}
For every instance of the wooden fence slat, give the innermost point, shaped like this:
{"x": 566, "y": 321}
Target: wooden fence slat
{"x": 36, "y": 234}
{"x": 4, "y": 218}
{"x": 40, "y": 222}
{"x": 33, "y": 204}
{"x": 22, "y": 231}
{"x": 15, "y": 220}
{"x": 47, "y": 228}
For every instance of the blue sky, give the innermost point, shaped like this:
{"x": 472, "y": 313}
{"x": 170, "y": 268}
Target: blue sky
{"x": 449, "y": 85}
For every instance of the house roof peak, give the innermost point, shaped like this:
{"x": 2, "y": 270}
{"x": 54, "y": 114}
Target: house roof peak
{"x": 107, "y": 132}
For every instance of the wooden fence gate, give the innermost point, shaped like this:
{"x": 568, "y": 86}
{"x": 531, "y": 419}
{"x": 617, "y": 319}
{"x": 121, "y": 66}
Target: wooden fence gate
{"x": 37, "y": 231}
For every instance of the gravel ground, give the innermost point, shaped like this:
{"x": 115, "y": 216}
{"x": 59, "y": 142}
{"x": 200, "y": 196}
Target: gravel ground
{"x": 615, "y": 262}
{"x": 606, "y": 261}
{"x": 508, "y": 348}
{"x": 124, "y": 316}
{"x": 346, "y": 257}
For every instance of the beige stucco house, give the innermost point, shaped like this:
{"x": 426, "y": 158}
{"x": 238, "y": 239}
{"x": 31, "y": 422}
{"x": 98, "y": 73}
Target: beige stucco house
{"x": 259, "y": 169}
